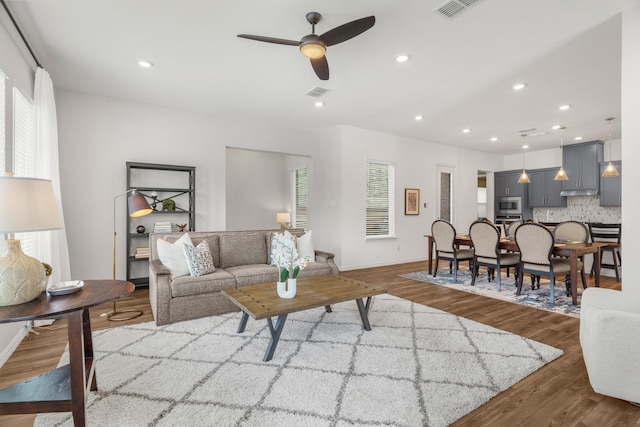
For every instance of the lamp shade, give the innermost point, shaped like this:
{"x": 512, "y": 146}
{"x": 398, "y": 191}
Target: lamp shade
{"x": 283, "y": 217}
{"x": 138, "y": 205}
{"x": 29, "y": 205}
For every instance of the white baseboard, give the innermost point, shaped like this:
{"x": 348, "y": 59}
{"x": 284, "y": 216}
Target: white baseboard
{"x": 8, "y": 350}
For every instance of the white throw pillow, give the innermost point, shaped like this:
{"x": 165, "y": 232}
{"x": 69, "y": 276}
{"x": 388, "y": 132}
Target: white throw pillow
{"x": 199, "y": 259}
{"x": 305, "y": 247}
{"x": 172, "y": 255}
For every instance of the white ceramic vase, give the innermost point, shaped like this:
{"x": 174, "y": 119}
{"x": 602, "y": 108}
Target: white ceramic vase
{"x": 21, "y": 276}
{"x": 287, "y": 289}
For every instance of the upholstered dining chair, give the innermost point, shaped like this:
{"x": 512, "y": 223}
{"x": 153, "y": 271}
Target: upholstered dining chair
{"x": 444, "y": 235}
{"x": 610, "y": 233}
{"x": 486, "y": 238}
{"x": 535, "y": 242}
{"x": 572, "y": 231}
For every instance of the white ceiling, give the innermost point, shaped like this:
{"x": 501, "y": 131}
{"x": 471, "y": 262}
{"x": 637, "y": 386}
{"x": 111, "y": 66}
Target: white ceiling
{"x": 460, "y": 73}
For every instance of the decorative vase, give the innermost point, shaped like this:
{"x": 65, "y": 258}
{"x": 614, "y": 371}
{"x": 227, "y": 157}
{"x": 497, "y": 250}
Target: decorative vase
{"x": 20, "y": 275}
{"x": 287, "y": 289}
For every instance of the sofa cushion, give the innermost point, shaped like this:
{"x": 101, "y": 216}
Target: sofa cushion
{"x": 213, "y": 282}
{"x": 199, "y": 259}
{"x": 315, "y": 269}
{"x": 172, "y": 255}
{"x": 242, "y": 249}
{"x": 254, "y": 274}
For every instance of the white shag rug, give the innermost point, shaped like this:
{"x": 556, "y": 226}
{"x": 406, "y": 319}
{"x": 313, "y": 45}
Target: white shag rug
{"x": 418, "y": 366}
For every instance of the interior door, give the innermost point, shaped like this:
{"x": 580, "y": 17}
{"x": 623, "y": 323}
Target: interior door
{"x": 445, "y": 185}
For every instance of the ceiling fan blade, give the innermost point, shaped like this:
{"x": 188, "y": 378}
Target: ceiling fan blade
{"x": 348, "y": 31}
{"x": 270, "y": 39}
{"x": 321, "y": 67}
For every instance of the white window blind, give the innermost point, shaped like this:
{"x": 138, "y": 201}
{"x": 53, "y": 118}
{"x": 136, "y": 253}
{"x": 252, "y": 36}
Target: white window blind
{"x": 23, "y": 145}
{"x": 300, "y": 197}
{"x": 380, "y": 198}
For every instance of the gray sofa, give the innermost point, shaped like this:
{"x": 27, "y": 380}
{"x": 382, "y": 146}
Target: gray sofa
{"x": 241, "y": 258}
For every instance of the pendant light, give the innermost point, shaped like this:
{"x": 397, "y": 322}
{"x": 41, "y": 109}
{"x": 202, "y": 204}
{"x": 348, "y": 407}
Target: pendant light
{"x": 524, "y": 178}
{"x": 610, "y": 171}
{"x": 561, "y": 175}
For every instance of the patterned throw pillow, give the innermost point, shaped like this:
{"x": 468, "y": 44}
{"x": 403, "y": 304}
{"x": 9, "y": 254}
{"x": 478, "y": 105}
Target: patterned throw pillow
{"x": 199, "y": 259}
{"x": 277, "y": 241}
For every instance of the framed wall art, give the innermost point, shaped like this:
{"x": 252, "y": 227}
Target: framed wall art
{"x": 411, "y": 201}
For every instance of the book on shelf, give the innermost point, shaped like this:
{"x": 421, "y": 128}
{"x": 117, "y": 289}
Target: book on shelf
{"x": 162, "y": 227}
{"x": 141, "y": 256}
{"x": 142, "y": 252}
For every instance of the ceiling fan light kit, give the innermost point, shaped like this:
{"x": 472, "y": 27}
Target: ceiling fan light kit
{"x": 314, "y": 46}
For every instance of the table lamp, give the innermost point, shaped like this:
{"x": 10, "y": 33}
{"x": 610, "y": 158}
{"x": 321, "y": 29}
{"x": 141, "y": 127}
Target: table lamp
{"x": 283, "y": 218}
{"x": 137, "y": 206}
{"x": 29, "y": 205}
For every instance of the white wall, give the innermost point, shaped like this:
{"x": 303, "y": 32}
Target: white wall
{"x": 415, "y": 166}
{"x": 256, "y": 189}
{"x": 631, "y": 133}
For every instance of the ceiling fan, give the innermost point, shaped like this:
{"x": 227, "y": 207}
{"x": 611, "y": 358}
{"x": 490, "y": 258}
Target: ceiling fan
{"x": 314, "y": 46}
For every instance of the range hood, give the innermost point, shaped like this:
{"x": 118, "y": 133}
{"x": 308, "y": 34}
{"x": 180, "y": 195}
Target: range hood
{"x": 579, "y": 192}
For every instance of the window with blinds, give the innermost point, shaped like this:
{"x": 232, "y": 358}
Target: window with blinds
{"x": 380, "y": 198}
{"x": 300, "y": 196}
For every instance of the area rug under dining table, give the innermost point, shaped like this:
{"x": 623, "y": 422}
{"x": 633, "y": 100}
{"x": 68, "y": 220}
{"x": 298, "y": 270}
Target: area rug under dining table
{"x": 417, "y": 366}
{"x": 537, "y": 298}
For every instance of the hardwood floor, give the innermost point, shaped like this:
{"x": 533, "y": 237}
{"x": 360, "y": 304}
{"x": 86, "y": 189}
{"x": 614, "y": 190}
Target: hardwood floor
{"x": 559, "y": 394}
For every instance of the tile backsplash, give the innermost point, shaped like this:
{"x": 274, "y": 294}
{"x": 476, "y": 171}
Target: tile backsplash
{"x": 580, "y": 208}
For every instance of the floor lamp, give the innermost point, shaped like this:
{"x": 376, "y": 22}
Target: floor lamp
{"x": 137, "y": 207}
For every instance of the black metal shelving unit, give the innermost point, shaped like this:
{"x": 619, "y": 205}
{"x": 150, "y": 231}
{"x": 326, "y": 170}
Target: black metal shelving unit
{"x": 185, "y": 211}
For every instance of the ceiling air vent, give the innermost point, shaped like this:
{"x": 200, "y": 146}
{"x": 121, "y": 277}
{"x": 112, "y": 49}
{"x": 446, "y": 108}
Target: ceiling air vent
{"x": 317, "y": 92}
{"x": 454, "y": 7}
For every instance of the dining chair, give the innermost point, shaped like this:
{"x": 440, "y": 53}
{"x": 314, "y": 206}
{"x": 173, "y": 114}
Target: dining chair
{"x": 535, "y": 242}
{"x": 610, "y": 233}
{"x": 486, "y": 238}
{"x": 444, "y": 235}
{"x": 572, "y": 231}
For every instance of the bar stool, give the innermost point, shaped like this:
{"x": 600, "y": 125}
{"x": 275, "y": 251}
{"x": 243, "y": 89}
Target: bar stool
{"x": 610, "y": 233}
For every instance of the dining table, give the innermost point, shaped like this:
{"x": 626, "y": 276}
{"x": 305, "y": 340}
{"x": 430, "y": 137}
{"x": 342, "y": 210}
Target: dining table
{"x": 571, "y": 250}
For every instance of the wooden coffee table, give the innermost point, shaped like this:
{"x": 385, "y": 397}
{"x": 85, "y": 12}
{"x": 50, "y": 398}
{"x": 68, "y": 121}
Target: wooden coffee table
{"x": 262, "y": 301}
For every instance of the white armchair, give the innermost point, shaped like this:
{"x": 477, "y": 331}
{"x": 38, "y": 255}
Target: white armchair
{"x": 610, "y": 340}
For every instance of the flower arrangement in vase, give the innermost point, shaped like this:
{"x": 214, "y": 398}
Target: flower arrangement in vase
{"x": 285, "y": 256}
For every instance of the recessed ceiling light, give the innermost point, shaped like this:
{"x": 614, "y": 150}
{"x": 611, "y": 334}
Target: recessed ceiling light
{"x": 402, "y": 58}
{"x": 578, "y": 138}
{"x": 565, "y": 107}
{"x": 319, "y": 104}
{"x": 525, "y": 146}
{"x": 556, "y": 127}
{"x": 467, "y": 130}
{"x": 519, "y": 86}
{"x": 419, "y": 117}
{"x": 494, "y": 138}
{"x": 145, "y": 64}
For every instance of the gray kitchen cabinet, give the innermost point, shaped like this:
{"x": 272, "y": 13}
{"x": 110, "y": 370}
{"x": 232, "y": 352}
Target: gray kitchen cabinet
{"x": 611, "y": 188}
{"x": 543, "y": 190}
{"x": 581, "y": 162}
{"x": 506, "y": 184}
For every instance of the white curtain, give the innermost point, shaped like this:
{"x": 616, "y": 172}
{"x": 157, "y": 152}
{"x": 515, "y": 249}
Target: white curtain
{"x": 51, "y": 246}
